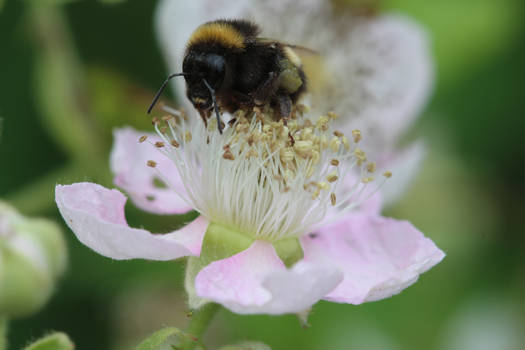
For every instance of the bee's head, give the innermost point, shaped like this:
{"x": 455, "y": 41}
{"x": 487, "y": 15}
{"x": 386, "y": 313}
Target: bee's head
{"x": 201, "y": 67}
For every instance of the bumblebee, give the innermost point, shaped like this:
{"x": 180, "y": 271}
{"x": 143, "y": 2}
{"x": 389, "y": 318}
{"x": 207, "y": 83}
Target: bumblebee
{"x": 227, "y": 66}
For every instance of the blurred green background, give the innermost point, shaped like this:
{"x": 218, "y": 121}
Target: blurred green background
{"x": 70, "y": 72}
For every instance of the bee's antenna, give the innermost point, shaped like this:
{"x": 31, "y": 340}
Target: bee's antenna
{"x": 212, "y": 92}
{"x": 156, "y": 98}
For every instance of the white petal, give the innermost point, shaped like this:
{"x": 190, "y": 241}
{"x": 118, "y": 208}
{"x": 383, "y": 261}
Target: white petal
{"x": 128, "y": 162}
{"x": 379, "y": 256}
{"x": 96, "y": 215}
{"x": 256, "y": 281}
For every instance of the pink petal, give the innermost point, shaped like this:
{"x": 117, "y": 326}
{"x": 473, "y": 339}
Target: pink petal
{"x": 379, "y": 256}
{"x": 96, "y": 215}
{"x": 404, "y": 165}
{"x": 128, "y": 163}
{"x": 256, "y": 281}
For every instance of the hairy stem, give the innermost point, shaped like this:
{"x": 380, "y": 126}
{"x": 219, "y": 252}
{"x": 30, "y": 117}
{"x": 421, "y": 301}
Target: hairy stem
{"x": 200, "y": 321}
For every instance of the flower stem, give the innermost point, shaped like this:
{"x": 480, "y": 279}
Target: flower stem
{"x": 3, "y": 332}
{"x": 199, "y": 322}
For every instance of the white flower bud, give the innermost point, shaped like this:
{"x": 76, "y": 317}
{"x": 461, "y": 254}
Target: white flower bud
{"x": 32, "y": 257}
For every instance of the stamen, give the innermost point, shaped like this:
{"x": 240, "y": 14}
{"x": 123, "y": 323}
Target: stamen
{"x": 357, "y": 135}
{"x": 264, "y": 178}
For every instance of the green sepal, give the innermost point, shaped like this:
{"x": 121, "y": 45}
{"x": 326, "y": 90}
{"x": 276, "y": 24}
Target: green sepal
{"x": 289, "y": 250}
{"x": 247, "y": 345}
{"x": 193, "y": 266}
{"x": 55, "y": 341}
{"x": 219, "y": 243}
{"x": 303, "y": 318}
{"x": 169, "y": 338}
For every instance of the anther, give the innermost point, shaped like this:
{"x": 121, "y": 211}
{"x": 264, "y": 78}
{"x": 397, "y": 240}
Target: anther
{"x": 323, "y": 186}
{"x": 335, "y": 143}
{"x": 332, "y": 115}
{"x": 151, "y": 163}
{"x": 228, "y": 155}
{"x": 367, "y": 179}
{"x": 360, "y": 155}
{"x": 357, "y": 135}
{"x": 345, "y": 142}
{"x": 322, "y": 123}
{"x": 332, "y": 177}
{"x": 159, "y": 144}
{"x": 387, "y": 174}
{"x": 188, "y": 136}
{"x": 303, "y": 148}
{"x": 143, "y": 138}
{"x": 174, "y": 143}
{"x": 371, "y": 167}
{"x": 334, "y": 162}
{"x": 333, "y": 198}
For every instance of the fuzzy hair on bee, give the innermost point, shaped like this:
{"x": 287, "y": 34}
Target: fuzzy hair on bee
{"x": 227, "y": 66}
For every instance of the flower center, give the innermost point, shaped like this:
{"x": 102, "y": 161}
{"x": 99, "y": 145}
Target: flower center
{"x": 265, "y": 178}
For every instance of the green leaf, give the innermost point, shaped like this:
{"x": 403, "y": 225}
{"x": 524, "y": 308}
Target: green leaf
{"x": 169, "y": 338}
{"x": 55, "y": 341}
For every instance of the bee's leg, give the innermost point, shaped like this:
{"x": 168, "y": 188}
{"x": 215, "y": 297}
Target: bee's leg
{"x": 283, "y": 104}
{"x": 266, "y": 90}
{"x": 204, "y": 115}
{"x": 215, "y": 106}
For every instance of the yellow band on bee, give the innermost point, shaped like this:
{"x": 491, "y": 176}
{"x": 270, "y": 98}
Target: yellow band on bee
{"x": 222, "y": 33}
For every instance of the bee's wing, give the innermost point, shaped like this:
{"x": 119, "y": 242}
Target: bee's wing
{"x": 315, "y": 69}
{"x": 314, "y": 66}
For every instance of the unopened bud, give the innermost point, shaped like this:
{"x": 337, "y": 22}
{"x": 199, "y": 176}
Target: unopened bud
{"x": 32, "y": 257}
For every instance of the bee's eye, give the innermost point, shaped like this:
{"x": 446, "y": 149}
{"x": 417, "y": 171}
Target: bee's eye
{"x": 215, "y": 65}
